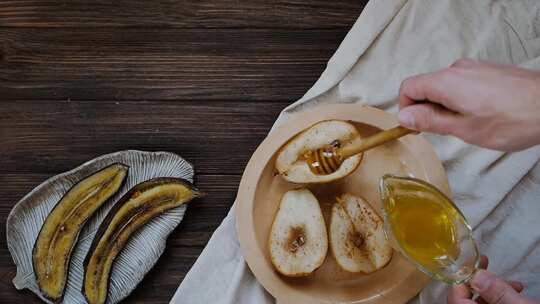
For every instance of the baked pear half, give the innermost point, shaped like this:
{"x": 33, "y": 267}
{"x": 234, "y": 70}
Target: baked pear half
{"x": 298, "y": 240}
{"x": 357, "y": 236}
{"x": 291, "y": 163}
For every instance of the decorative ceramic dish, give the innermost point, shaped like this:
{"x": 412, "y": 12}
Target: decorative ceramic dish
{"x": 140, "y": 253}
{"x": 261, "y": 190}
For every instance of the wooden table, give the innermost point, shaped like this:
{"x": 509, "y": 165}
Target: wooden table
{"x": 204, "y": 79}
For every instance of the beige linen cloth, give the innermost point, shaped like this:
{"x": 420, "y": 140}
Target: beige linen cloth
{"x": 498, "y": 192}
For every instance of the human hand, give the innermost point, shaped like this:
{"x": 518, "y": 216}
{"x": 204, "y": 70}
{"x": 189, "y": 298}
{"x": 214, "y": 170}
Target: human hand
{"x": 490, "y": 288}
{"x": 487, "y": 104}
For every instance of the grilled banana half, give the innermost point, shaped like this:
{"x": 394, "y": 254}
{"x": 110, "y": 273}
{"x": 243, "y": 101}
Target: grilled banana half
{"x": 136, "y": 208}
{"x": 60, "y": 231}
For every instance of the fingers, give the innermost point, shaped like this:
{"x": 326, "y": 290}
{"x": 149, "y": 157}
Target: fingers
{"x": 461, "y": 294}
{"x": 458, "y": 293}
{"x": 436, "y": 87}
{"x": 428, "y": 117}
{"x": 484, "y": 262}
{"x": 493, "y": 290}
{"x": 516, "y": 285}
{"x": 420, "y": 87}
{"x": 465, "y": 63}
{"x": 497, "y": 290}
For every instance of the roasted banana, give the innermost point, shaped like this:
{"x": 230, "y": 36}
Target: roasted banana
{"x": 137, "y": 207}
{"x": 60, "y": 231}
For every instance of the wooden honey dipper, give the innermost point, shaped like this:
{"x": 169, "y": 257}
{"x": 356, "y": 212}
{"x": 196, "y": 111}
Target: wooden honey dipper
{"x": 326, "y": 160}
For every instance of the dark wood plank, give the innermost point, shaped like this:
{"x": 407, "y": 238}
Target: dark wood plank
{"x": 76, "y": 77}
{"x": 182, "y": 13}
{"x": 55, "y": 136}
{"x": 162, "y": 64}
{"x": 39, "y": 139}
{"x": 183, "y": 246}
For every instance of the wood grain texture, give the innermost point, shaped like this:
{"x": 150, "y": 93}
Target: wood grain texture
{"x": 204, "y": 79}
{"x": 41, "y": 138}
{"x": 55, "y": 136}
{"x": 181, "y": 14}
{"x": 162, "y": 64}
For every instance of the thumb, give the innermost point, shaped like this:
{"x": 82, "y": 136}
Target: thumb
{"x": 494, "y": 290}
{"x": 429, "y": 117}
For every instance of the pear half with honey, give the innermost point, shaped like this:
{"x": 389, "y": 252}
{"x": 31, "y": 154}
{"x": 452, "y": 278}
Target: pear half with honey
{"x": 298, "y": 240}
{"x": 291, "y": 163}
{"x": 357, "y": 236}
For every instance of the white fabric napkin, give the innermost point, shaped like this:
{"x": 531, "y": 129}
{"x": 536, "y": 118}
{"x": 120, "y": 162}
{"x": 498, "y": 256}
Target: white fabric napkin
{"x": 498, "y": 192}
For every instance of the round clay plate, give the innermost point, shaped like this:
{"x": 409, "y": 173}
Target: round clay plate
{"x": 261, "y": 190}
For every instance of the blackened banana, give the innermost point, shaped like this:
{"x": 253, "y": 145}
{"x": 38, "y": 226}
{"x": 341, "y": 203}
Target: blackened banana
{"x": 137, "y": 207}
{"x": 60, "y": 231}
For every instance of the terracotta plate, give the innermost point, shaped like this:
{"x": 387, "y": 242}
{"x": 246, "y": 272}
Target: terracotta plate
{"x": 261, "y": 190}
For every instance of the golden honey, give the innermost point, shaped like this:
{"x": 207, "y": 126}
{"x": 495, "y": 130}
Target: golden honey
{"x": 423, "y": 222}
